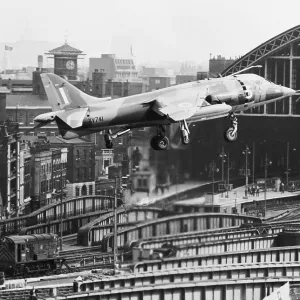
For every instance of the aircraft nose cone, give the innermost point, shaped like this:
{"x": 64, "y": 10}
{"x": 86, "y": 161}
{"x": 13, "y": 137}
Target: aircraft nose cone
{"x": 287, "y": 91}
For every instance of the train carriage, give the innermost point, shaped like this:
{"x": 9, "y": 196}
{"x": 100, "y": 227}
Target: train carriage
{"x": 28, "y": 253}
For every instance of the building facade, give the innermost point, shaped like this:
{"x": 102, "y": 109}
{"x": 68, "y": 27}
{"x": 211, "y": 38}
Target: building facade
{"x": 15, "y": 177}
{"x": 116, "y": 69}
{"x": 80, "y": 173}
{"x": 156, "y": 83}
{"x": 48, "y": 173}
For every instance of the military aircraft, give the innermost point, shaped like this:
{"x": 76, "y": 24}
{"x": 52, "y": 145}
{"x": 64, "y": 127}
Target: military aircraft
{"x": 78, "y": 114}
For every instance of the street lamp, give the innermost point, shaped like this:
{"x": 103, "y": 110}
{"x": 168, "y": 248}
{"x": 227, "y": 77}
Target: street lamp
{"x": 287, "y": 163}
{"x": 267, "y": 163}
{"x": 228, "y": 169}
{"x": 61, "y": 204}
{"x": 246, "y": 152}
{"x": 222, "y": 156}
{"x": 214, "y": 169}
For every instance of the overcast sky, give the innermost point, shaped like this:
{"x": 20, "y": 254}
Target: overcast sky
{"x": 157, "y": 29}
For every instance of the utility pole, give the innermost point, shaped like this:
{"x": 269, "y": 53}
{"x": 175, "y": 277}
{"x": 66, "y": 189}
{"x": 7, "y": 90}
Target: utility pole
{"x": 253, "y": 161}
{"x": 61, "y": 204}
{"x": 246, "y": 152}
{"x": 287, "y": 164}
{"x": 115, "y": 223}
{"x": 213, "y": 185}
{"x": 266, "y": 170}
{"x": 267, "y": 163}
{"x": 223, "y": 155}
{"x": 228, "y": 169}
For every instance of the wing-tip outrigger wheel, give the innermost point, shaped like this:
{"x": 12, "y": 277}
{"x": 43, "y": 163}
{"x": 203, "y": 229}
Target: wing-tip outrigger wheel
{"x": 185, "y": 132}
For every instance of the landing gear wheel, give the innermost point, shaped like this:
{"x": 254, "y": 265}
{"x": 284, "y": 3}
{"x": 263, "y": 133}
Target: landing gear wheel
{"x": 185, "y": 140}
{"x": 230, "y": 135}
{"x": 159, "y": 142}
{"x": 153, "y": 143}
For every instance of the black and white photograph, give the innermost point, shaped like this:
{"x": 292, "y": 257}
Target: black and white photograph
{"x": 150, "y": 150}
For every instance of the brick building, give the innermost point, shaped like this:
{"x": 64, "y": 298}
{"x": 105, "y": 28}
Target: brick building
{"x": 80, "y": 173}
{"x": 115, "y": 69}
{"x": 156, "y": 83}
{"x": 48, "y": 173}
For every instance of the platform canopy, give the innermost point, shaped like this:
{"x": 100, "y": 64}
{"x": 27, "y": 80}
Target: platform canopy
{"x": 264, "y": 50}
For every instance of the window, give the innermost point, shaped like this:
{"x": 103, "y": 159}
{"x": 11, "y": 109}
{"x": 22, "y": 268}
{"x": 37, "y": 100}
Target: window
{"x": 84, "y": 174}
{"x": 90, "y": 190}
{"x": 84, "y": 154}
{"x": 10, "y": 118}
{"x": 32, "y": 133}
{"x": 77, "y": 155}
{"x": 52, "y": 133}
{"x": 78, "y": 174}
{"x": 90, "y": 173}
{"x": 31, "y": 119}
{"x": 91, "y": 154}
{"x": 21, "y": 119}
{"x": 157, "y": 81}
{"x": 77, "y": 191}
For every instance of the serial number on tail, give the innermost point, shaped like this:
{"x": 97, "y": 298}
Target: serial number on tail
{"x": 95, "y": 119}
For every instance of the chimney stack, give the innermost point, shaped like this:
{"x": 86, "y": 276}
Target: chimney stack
{"x": 40, "y": 62}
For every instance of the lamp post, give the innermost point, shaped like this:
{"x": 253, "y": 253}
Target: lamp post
{"x": 246, "y": 152}
{"x": 288, "y": 162}
{"x": 115, "y": 223}
{"x": 222, "y": 156}
{"x": 228, "y": 169}
{"x": 267, "y": 163}
{"x": 213, "y": 183}
{"x": 61, "y": 204}
{"x": 253, "y": 161}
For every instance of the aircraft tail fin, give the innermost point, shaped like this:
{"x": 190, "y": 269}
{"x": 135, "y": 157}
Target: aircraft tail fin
{"x": 63, "y": 95}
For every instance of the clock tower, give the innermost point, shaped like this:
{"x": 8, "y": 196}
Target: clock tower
{"x": 65, "y": 61}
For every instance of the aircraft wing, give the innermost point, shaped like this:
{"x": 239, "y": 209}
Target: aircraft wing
{"x": 178, "y": 110}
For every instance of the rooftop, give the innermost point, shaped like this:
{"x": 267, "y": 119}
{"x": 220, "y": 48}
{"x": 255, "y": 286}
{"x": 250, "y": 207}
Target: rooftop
{"x": 60, "y": 140}
{"x": 27, "y": 100}
{"x": 56, "y": 140}
{"x": 4, "y": 90}
{"x": 65, "y": 49}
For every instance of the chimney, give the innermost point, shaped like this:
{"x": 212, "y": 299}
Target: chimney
{"x": 40, "y": 61}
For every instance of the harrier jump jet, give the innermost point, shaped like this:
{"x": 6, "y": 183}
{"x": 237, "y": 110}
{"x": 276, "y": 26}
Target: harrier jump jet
{"x": 78, "y": 114}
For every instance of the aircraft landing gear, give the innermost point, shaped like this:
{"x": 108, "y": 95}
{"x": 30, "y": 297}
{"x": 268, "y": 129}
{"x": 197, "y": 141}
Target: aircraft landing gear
{"x": 185, "y": 138}
{"x": 230, "y": 133}
{"x": 108, "y": 140}
{"x": 109, "y": 136}
{"x": 160, "y": 141}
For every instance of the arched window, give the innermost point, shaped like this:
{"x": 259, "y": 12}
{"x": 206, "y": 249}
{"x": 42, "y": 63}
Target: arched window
{"x": 77, "y": 191}
{"x": 83, "y": 190}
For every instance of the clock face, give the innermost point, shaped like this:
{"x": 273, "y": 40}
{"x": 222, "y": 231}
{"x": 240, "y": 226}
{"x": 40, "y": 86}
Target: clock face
{"x": 70, "y": 65}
